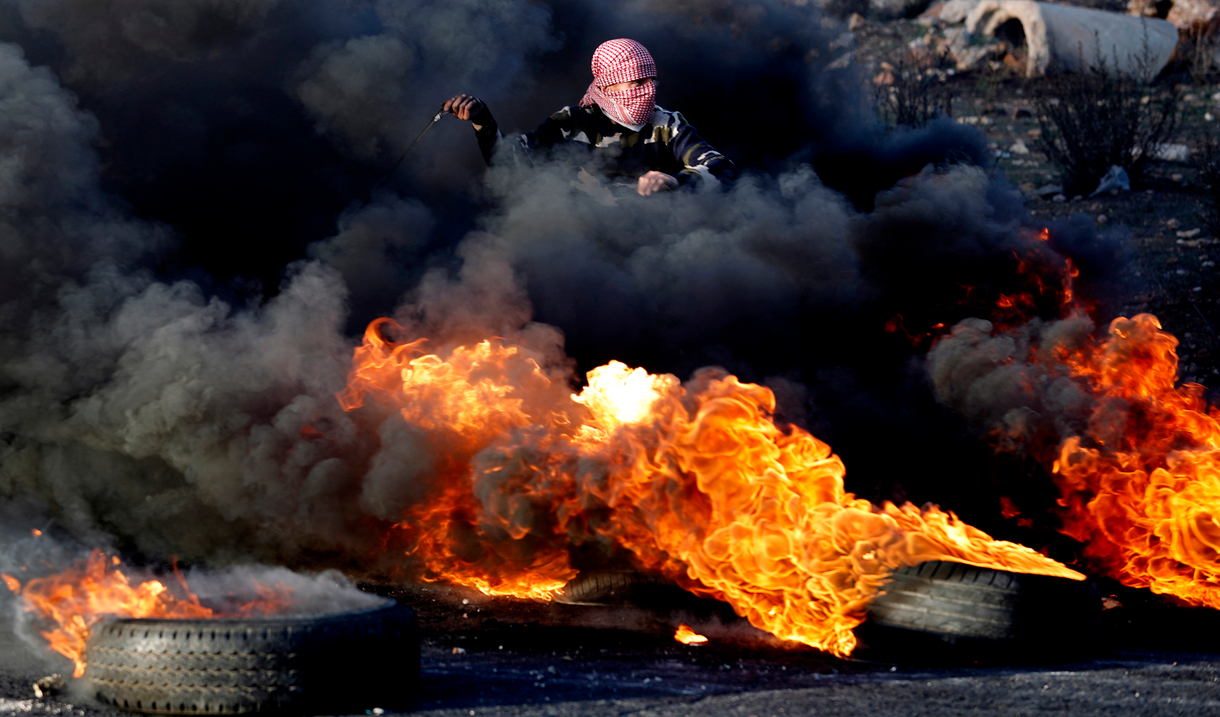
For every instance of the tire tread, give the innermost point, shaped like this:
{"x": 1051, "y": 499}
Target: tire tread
{"x": 959, "y": 600}
{"x": 239, "y": 666}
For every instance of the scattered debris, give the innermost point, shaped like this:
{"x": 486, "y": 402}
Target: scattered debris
{"x": 1062, "y": 37}
{"x": 1019, "y": 147}
{"x": 49, "y": 685}
{"x": 1115, "y": 179}
{"x": 1170, "y": 152}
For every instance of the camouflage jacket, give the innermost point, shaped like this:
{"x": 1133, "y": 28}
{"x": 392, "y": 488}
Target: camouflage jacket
{"x": 667, "y": 144}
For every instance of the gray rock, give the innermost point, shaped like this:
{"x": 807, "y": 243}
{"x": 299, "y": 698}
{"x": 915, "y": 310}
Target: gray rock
{"x": 972, "y": 57}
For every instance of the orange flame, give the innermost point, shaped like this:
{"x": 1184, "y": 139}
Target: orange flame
{"x": 1141, "y": 488}
{"x": 96, "y": 589}
{"x": 697, "y": 481}
{"x": 11, "y": 582}
{"x": 687, "y": 636}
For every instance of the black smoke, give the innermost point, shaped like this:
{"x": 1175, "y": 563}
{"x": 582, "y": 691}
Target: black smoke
{"x": 189, "y": 258}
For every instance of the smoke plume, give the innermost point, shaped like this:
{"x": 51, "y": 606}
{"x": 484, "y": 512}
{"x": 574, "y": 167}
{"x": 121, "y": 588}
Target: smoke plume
{"x": 189, "y": 257}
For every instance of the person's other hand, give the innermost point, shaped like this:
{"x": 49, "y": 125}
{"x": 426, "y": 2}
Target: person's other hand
{"x": 654, "y": 182}
{"x": 464, "y": 107}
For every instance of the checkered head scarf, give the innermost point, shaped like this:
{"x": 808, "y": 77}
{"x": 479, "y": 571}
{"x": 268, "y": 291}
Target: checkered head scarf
{"x": 617, "y": 61}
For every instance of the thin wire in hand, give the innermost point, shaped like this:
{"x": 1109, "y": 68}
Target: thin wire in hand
{"x": 436, "y": 118}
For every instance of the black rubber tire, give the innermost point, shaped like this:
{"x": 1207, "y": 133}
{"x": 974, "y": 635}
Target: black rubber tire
{"x": 957, "y": 601}
{"x": 612, "y": 587}
{"x": 341, "y": 662}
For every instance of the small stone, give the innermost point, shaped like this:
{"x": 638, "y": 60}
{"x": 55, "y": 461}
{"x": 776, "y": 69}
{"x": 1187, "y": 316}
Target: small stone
{"x": 1035, "y": 133}
{"x": 1197, "y": 288}
{"x": 1172, "y": 223}
{"x": 1110, "y": 603}
{"x": 1176, "y": 177}
{"x": 1059, "y": 198}
{"x": 1209, "y": 117}
{"x": 1019, "y": 147}
{"x": 1102, "y": 219}
{"x": 49, "y": 685}
{"x": 1189, "y": 233}
{"x": 1021, "y": 113}
{"x": 855, "y": 21}
{"x": 459, "y": 651}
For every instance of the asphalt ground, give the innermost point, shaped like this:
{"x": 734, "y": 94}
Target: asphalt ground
{"x": 502, "y": 657}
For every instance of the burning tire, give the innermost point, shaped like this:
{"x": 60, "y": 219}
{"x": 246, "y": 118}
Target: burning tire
{"x": 339, "y": 662}
{"x": 615, "y": 588}
{"x": 961, "y": 602}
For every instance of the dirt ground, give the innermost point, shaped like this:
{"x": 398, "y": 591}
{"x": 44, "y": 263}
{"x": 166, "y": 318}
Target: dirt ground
{"x": 506, "y": 658}
{"x": 1172, "y": 273}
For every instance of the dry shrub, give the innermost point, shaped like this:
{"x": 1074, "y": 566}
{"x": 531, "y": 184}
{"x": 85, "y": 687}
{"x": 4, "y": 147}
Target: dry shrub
{"x": 918, "y": 93}
{"x": 1094, "y": 119}
{"x": 1208, "y": 164}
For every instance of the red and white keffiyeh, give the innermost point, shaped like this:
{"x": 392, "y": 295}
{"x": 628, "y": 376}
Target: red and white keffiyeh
{"x": 617, "y": 61}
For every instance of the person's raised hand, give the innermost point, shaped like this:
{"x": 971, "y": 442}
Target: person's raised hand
{"x": 464, "y": 107}
{"x": 654, "y": 182}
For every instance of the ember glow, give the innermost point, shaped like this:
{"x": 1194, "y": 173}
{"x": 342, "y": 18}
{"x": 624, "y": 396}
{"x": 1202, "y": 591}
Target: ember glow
{"x": 73, "y": 601}
{"x": 687, "y": 636}
{"x": 697, "y": 481}
{"x": 1141, "y": 489}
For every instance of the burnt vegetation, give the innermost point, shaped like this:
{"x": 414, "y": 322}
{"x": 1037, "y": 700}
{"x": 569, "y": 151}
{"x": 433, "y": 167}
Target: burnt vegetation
{"x": 1208, "y": 165}
{"x": 1097, "y": 118}
{"x": 916, "y": 92}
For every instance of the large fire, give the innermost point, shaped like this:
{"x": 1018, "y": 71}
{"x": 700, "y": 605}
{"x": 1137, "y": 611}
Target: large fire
{"x": 698, "y": 482}
{"x": 1141, "y": 488}
{"x": 95, "y": 589}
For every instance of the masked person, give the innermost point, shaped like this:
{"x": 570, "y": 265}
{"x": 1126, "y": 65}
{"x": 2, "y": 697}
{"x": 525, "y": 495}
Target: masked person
{"x": 617, "y": 122}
